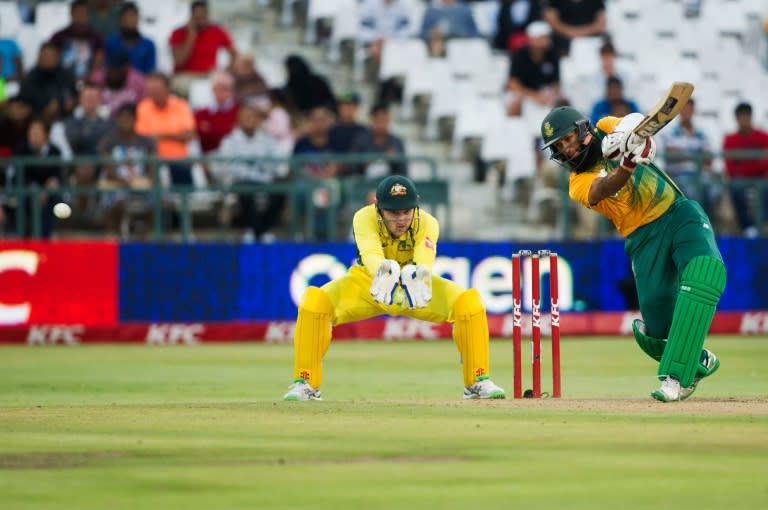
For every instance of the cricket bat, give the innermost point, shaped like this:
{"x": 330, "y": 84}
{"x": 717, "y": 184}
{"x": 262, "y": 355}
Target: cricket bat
{"x": 665, "y": 110}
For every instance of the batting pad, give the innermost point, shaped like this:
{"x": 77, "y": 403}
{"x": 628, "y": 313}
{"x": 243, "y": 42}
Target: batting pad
{"x": 470, "y": 332}
{"x": 653, "y": 347}
{"x": 312, "y": 336}
{"x": 701, "y": 286}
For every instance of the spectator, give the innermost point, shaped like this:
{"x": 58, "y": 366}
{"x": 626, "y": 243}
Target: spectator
{"x": 260, "y": 211}
{"x": 48, "y": 87}
{"x": 595, "y": 81}
{"x": 11, "y": 64}
{"x": 445, "y": 20}
{"x": 379, "y": 140}
{"x": 128, "y": 149}
{"x": 14, "y": 121}
{"x": 195, "y": 47}
{"x": 45, "y": 176}
{"x": 747, "y": 137}
{"x": 168, "y": 120}
{"x": 574, "y": 18}
{"x": 346, "y": 129}
{"x": 278, "y": 123}
{"x": 317, "y": 142}
{"x": 82, "y": 49}
{"x": 306, "y": 90}
{"x": 381, "y": 20}
{"x": 127, "y": 40}
{"x": 121, "y": 84}
{"x": 83, "y": 131}
{"x": 614, "y": 93}
{"x": 103, "y": 16}
{"x": 218, "y": 120}
{"x": 534, "y": 73}
{"x": 513, "y": 18}
{"x": 689, "y": 159}
{"x": 248, "y": 82}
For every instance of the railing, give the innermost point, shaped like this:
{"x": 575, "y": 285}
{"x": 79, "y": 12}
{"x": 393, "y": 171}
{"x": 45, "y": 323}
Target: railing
{"x": 299, "y": 188}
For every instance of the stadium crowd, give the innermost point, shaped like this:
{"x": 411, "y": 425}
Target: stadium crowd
{"x": 97, "y": 89}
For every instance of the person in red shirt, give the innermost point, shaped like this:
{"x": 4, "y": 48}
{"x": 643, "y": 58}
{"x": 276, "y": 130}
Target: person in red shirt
{"x": 195, "y": 47}
{"x": 216, "y": 121}
{"x": 747, "y": 137}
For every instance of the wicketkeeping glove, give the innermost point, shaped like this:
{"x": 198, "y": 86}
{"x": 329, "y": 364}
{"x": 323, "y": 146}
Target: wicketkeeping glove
{"x": 417, "y": 284}
{"x": 385, "y": 283}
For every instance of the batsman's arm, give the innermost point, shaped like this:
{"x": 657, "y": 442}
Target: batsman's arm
{"x": 425, "y": 248}
{"x": 604, "y": 187}
{"x": 366, "y": 234}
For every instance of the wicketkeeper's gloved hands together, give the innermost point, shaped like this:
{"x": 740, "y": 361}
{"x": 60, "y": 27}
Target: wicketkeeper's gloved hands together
{"x": 386, "y": 281}
{"x": 417, "y": 284}
{"x": 641, "y": 154}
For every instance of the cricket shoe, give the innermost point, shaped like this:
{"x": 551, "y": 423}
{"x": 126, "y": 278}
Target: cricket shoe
{"x": 483, "y": 388}
{"x": 670, "y": 390}
{"x": 708, "y": 361}
{"x": 301, "y": 390}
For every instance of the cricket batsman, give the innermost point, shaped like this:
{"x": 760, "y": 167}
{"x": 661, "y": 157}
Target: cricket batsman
{"x": 396, "y": 247}
{"x": 677, "y": 266}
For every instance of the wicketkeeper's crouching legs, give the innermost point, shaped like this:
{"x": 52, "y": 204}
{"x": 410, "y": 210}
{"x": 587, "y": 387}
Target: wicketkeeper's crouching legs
{"x": 312, "y": 337}
{"x": 470, "y": 332}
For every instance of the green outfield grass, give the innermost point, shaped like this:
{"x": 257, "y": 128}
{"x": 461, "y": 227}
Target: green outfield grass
{"x": 137, "y": 427}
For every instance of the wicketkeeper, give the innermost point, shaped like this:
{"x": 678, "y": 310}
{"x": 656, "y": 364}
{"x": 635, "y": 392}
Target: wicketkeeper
{"x": 678, "y": 268}
{"x": 396, "y": 245}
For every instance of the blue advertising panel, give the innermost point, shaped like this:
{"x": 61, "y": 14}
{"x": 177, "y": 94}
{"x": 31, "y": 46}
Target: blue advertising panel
{"x": 225, "y": 282}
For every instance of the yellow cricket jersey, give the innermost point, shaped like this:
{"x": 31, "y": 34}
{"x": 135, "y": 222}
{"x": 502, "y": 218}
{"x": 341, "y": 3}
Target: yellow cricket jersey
{"x": 374, "y": 243}
{"x": 648, "y": 193}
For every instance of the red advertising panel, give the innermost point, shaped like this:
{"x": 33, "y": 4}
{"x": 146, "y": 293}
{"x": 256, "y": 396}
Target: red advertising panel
{"x": 58, "y": 283}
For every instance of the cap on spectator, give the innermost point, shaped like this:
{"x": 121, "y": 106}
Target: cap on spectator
{"x": 538, "y": 29}
{"x": 119, "y": 59}
{"x": 349, "y": 97}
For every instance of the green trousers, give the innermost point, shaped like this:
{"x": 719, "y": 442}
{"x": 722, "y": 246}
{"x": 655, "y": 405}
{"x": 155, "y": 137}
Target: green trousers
{"x": 660, "y": 251}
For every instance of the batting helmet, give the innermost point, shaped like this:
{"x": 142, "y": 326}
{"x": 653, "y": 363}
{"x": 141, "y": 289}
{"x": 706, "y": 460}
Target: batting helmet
{"x": 559, "y": 122}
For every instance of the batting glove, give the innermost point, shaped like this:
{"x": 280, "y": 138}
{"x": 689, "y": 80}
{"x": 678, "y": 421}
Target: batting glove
{"x": 385, "y": 283}
{"x": 641, "y": 155}
{"x": 417, "y": 284}
{"x": 611, "y": 146}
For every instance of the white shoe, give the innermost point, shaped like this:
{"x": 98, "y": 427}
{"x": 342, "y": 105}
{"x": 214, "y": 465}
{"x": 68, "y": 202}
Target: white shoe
{"x": 670, "y": 390}
{"x": 484, "y": 388}
{"x": 301, "y": 390}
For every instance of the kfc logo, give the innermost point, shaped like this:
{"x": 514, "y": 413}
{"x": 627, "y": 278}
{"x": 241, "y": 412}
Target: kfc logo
{"x": 17, "y": 260}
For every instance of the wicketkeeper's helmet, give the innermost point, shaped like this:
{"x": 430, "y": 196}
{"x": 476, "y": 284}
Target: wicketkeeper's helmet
{"x": 397, "y": 193}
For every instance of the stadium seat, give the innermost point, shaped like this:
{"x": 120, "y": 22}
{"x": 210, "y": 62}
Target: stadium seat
{"x": 400, "y": 55}
{"x": 476, "y": 117}
{"x": 346, "y": 24}
{"x": 423, "y": 79}
{"x": 51, "y": 17}
{"x": 416, "y": 9}
{"x": 200, "y": 93}
{"x": 29, "y": 42}
{"x": 10, "y": 20}
{"x": 466, "y": 56}
{"x": 485, "y": 14}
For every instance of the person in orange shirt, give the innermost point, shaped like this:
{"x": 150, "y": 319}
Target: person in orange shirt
{"x": 169, "y": 121}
